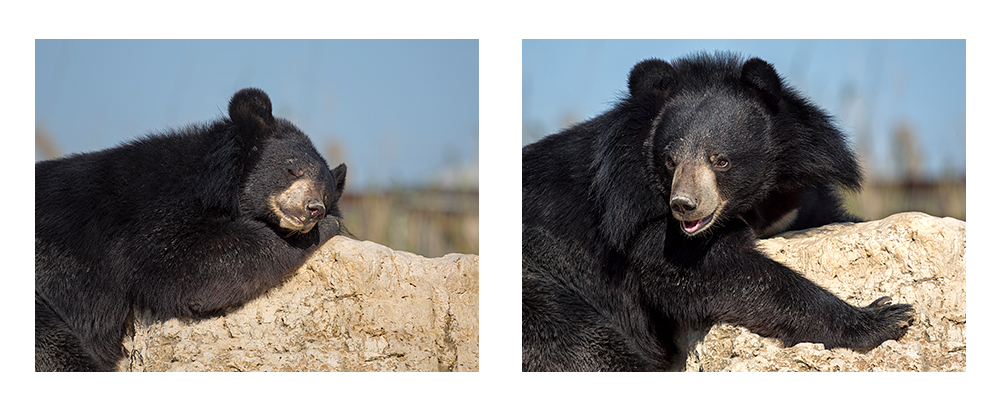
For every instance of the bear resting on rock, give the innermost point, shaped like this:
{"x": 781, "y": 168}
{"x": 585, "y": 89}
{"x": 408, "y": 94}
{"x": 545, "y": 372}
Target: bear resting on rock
{"x": 639, "y": 224}
{"x": 184, "y": 224}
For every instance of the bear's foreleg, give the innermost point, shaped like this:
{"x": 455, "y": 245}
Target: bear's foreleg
{"x": 772, "y": 300}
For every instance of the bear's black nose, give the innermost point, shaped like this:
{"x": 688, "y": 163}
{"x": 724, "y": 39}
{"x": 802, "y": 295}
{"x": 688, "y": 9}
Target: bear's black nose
{"x": 316, "y": 209}
{"x": 682, "y": 205}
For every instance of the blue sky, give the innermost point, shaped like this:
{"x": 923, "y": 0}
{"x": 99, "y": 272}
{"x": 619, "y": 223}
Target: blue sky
{"x": 402, "y": 112}
{"x": 870, "y": 86}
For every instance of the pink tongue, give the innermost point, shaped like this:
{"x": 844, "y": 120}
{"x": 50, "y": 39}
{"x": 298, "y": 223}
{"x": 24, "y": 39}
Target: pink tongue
{"x": 692, "y": 225}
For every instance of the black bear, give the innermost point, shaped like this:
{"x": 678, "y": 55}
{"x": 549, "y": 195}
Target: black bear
{"x": 639, "y": 224}
{"x": 183, "y": 224}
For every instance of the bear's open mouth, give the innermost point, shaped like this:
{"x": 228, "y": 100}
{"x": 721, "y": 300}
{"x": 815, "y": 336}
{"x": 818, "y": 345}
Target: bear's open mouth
{"x": 695, "y": 226}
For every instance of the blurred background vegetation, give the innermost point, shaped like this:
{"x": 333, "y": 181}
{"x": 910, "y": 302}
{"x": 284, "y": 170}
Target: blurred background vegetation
{"x": 438, "y": 216}
{"x": 431, "y": 221}
{"x": 906, "y": 186}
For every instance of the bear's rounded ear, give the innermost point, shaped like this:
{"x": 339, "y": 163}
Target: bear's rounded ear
{"x": 250, "y": 110}
{"x": 760, "y": 76}
{"x": 339, "y": 176}
{"x": 651, "y": 76}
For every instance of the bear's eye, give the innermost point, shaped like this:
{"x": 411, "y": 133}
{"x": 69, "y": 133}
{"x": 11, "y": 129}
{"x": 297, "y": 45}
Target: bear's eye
{"x": 670, "y": 164}
{"x": 721, "y": 163}
{"x": 294, "y": 172}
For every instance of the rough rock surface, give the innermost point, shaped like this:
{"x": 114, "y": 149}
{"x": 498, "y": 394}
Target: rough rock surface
{"x": 353, "y": 306}
{"x": 911, "y": 257}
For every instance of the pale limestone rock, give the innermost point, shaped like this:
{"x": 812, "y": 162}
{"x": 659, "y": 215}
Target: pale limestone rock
{"x": 353, "y": 306}
{"x": 911, "y": 257}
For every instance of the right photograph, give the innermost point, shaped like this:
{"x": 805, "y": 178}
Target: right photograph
{"x": 743, "y": 205}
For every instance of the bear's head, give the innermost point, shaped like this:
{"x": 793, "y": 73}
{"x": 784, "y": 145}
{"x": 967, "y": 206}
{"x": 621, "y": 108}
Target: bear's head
{"x": 287, "y": 183}
{"x": 713, "y": 148}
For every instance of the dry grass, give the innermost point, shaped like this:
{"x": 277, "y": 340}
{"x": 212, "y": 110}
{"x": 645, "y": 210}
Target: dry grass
{"x": 943, "y": 198}
{"x": 428, "y": 222}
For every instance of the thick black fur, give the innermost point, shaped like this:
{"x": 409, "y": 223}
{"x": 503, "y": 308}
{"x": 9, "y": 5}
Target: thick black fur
{"x": 179, "y": 224}
{"x": 610, "y": 280}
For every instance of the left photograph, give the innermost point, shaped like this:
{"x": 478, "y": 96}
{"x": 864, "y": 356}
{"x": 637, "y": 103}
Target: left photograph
{"x": 239, "y": 205}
